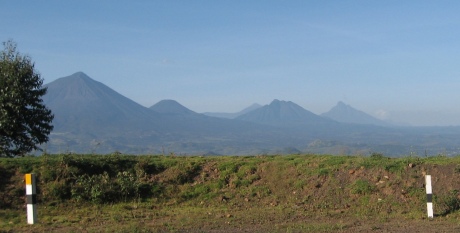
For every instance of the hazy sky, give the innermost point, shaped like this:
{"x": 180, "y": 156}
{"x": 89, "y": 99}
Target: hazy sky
{"x": 397, "y": 60}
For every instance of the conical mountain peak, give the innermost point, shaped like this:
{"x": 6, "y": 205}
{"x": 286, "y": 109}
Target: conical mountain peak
{"x": 171, "y": 106}
{"x": 282, "y": 112}
{"x": 342, "y": 112}
{"x": 341, "y": 104}
{"x": 76, "y": 77}
{"x": 80, "y": 74}
{"x": 79, "y": 97}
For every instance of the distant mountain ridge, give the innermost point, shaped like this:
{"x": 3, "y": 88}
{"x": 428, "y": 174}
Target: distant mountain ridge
{"x": 90, "y": 117}
{"x": 280, "y": 112}
{"x": 233, "y": 115}
{"x": 347, "y": 114}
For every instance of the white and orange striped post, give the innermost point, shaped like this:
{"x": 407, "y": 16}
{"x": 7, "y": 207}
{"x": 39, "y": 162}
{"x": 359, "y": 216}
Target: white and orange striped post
{"x": 31, "y": 196}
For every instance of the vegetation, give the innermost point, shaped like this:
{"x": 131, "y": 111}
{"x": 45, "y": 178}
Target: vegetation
{"x": 295, "y": 193}
{"x": 24, "y": 119}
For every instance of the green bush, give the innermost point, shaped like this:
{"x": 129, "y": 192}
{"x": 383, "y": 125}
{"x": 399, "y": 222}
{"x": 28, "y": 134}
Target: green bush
{"x": 94, "y": 188}
{"x": 447, "y": 203}
{"x": 128, "y": 184}
{"x": 57, "y": 191}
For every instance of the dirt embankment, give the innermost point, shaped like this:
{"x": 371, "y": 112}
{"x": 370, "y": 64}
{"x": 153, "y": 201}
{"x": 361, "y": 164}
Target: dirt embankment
{"x": 241, "y": 194}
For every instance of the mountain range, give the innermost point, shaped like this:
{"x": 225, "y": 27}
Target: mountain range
{"x": 90, "y": 117}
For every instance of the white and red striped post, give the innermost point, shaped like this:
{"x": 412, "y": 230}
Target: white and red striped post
{"x": 31, "y": 196}
{"x": 429, "y": 196}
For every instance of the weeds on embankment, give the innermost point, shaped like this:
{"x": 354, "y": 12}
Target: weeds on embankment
{"x": 169, "y": 193}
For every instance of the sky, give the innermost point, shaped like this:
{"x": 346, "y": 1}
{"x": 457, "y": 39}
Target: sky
{"x": 395, "y": 60}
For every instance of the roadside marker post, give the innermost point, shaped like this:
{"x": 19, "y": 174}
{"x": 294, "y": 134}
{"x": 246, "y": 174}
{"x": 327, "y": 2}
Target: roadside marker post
{"x": 429, "y": 196}
{"x": 31, "y": 196}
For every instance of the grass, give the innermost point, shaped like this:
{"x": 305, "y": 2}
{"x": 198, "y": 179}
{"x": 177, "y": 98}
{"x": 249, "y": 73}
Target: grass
{"x": 362, "y": 187}
{"x": 296, "y": 193}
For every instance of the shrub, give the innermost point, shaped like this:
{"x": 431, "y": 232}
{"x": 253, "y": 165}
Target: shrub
{"x": 448, "y": 203}
{"x": 95, "y": 188}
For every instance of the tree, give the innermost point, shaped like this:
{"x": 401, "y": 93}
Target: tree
{"x": 25, "y": 122}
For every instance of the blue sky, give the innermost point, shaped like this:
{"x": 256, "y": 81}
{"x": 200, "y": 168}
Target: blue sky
{"x": 396, "y": 60}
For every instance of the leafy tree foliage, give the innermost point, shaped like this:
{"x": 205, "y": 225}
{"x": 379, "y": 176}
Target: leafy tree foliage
{"x": 25, "y": 122}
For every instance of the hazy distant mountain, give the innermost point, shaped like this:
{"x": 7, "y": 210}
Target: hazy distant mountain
{"x": 89, "y": 116}
{"x": 283, "y": 113}
{"x": 233, "y": 115}
{"x": 81, "y": 103}
{"x": 171, "y": 106}
{"x": 347, "y": 114}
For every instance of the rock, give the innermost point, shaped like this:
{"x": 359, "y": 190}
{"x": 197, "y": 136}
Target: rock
{"x": 223, "y": 198}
